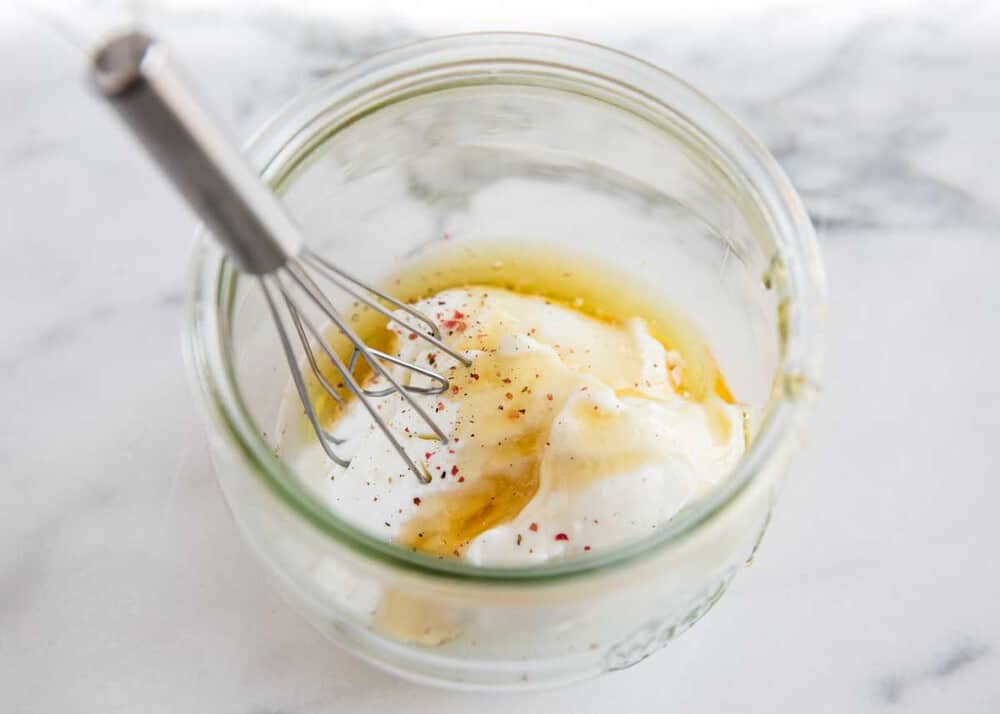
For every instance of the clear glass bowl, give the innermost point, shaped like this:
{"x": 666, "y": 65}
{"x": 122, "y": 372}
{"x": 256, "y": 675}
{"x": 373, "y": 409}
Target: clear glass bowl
{"x": 557, "y": 142}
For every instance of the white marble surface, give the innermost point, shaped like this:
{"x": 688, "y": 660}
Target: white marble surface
{"x": 123, "y": 585}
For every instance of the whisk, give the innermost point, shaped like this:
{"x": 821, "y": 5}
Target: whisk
{"x": 137, "y": 76}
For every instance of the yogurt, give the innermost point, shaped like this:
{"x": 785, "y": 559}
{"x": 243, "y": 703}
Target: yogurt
{"x": 569, "y": 435}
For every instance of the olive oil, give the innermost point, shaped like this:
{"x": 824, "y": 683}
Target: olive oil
{"x": 581, "y": 283}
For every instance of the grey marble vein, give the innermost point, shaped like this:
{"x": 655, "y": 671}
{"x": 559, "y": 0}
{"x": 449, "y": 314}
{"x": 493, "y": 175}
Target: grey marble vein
{"x": 895, "y": 688}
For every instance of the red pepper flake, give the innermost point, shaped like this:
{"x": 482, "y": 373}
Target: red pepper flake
{"x": 461, "y": 479}
{"x": 456, "y": 322}
{"x": 440, "y": 406}
{"x": 506, "y": 380}
{"x": 509, "y": 395}
{"x": 549, "y": 397}
{"x": 454, "y": 389}
{"x": 595, "y": 407}
{"x": 474, "y": 376}
{"x": 454, "y": 469}
{"x": 413, "y": 336}
{"x": 562, "y": 536}
{"x": 533, "y": 527}
{"x": 428, "y": 455}
{"x": 416, "y": 500}
{"x": 586, "y": 547}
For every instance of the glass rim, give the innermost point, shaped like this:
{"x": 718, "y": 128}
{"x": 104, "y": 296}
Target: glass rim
{"x": 800, "y": 282}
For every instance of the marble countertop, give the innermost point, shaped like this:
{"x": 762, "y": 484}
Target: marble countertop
{"x": 123, "y": 584}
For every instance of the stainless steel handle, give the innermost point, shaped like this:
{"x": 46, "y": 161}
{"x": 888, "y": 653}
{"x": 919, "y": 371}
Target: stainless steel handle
{"x": 134, "y": 72}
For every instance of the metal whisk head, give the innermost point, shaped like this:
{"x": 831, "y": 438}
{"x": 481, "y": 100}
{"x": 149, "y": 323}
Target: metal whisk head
{"x": 294, "y": 276}
{"x": 135, "y": 74}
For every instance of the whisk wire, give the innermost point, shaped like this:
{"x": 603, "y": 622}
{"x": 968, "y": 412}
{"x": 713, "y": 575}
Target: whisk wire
{"x": 293, "y": 366}
{"x": 317, "y": 372}
{"x": 310, "y": 356}
{"x": 309, "y": 287}
{"x": 440, "y": 387}
{"x": 342, "y": 279}
{"x": 352, "y": 384}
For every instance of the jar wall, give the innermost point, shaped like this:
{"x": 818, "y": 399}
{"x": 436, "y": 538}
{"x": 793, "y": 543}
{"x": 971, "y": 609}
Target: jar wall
{"x": 462, "y": 141}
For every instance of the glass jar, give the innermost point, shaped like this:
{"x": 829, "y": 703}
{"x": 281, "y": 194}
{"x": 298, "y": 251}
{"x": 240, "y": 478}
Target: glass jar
{"x": 558, "y": 142}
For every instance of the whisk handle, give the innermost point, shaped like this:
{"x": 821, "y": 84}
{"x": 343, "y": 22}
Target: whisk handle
{"x": 135, "y": 73}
